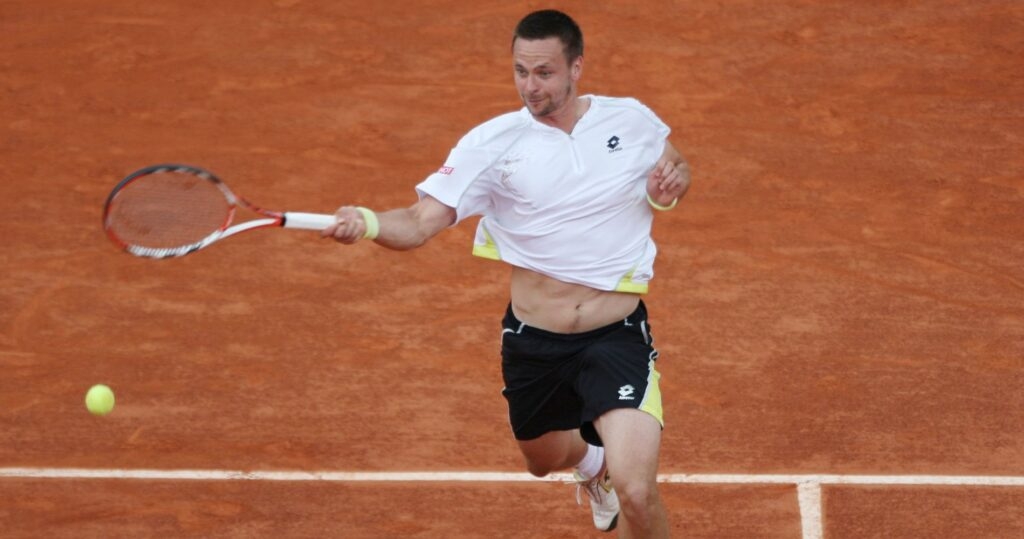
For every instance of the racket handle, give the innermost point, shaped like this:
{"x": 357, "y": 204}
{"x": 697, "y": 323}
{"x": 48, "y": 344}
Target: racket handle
{"x": 307, "y": 221}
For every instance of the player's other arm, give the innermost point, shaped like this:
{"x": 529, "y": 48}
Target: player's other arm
{"x": 400, "y": 229}
{"x": 670, "y": 179}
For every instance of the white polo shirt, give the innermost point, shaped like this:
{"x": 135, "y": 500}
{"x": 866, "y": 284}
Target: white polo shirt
{"x": 569, "y": 206}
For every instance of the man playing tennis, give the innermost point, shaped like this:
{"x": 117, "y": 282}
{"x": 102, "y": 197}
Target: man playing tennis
{"x": 566, "y": 187}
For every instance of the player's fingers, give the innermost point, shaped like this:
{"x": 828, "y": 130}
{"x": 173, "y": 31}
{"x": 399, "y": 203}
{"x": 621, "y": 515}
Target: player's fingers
{"x": 330, "y": 230}
{"x": 665, "y": 170}
{"x": 679, "y": 175}
{"x": 343, "y": 221}
{"x": 670, "y": 178}
{"x": 346, "y": 226}
{"x": 655, "y": 178}
{"x": 337, "y": 227}
{"x": 345, "y": 231}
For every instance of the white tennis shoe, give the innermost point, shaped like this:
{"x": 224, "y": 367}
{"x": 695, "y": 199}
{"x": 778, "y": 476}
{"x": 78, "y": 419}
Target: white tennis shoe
{"x": 603, "y": 502}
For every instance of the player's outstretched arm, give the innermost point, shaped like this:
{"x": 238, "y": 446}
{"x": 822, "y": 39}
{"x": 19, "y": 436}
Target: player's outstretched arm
{"x": 669, "y": 180}
{"x": 400, "y": 229}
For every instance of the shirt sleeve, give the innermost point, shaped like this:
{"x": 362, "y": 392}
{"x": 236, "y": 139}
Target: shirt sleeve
{"x": 660, "y": 127}
{"x": 463, "y": 183}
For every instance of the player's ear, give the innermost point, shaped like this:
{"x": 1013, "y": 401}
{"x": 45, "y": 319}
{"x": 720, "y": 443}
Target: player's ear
{"x": 577, "y": 68}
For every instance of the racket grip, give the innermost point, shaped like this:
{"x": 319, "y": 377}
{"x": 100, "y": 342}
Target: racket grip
{"x": 307, "y": 221}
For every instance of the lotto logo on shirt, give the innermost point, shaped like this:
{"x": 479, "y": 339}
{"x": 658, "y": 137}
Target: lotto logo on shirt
{"x": 613, "y": 144}
{"x": 447, "y": 171}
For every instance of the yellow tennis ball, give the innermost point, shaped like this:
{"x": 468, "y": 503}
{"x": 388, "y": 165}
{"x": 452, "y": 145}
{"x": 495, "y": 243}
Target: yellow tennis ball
{"x": 99, "y": 400}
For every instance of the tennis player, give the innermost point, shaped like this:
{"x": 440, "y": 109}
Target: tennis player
{"x": 567, "y": 188}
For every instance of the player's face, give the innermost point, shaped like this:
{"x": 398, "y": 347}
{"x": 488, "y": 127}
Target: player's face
{"x": 544, "y": 78}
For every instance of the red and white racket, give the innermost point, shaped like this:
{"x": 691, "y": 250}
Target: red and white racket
{"x": 170, "y": 210}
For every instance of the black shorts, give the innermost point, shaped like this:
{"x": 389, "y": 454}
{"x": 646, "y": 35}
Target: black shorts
{"x": 556, "y": 381}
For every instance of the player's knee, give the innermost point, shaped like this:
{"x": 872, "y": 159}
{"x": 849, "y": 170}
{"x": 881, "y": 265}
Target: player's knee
{"x": 638, "y": 501}
{"x": 539, "y": 468}
{"x": 542, "y": 460}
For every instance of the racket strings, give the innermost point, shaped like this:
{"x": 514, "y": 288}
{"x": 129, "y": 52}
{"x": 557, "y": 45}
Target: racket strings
{"x": 168, "y": 209}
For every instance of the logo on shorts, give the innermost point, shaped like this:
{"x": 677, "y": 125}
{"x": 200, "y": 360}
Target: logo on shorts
{"x": 447, "y": 171}
{"x": 626, "y": 392}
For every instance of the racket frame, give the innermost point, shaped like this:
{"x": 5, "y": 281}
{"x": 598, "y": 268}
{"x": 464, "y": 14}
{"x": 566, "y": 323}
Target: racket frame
{"x": 296, "y": 220}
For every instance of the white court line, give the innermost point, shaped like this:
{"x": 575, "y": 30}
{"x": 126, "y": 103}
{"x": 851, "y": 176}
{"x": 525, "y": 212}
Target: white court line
{"x": 329, "y": 476}
{"x": 808, "y": 495}
{"x": 836, "y": 479}
{"x": 808, "y": 485}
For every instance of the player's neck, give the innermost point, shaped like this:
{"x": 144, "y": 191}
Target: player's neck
{"x": 567, "y": 118}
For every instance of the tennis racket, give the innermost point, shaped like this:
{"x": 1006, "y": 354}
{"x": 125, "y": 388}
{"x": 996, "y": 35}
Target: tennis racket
{"x": 170, "y": 210}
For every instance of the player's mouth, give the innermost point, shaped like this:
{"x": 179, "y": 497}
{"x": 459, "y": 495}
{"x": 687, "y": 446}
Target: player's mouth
{"x": 536, "y": 104}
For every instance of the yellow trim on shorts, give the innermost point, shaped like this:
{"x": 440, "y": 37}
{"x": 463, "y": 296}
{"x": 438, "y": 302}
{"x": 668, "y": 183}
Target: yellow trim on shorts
{"x": 652, "y": 397}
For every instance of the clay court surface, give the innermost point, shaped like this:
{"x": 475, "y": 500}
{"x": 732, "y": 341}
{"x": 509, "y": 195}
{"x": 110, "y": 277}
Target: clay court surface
{"x": 840, "y": 296}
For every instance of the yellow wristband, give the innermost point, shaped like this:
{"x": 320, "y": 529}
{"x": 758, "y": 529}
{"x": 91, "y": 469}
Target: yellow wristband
{"x": 659, "y": 207}
{"x": 372, "y": 223}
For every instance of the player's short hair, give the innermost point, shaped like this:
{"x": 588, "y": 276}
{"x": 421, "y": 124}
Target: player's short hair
{"x": 552, "y": 23}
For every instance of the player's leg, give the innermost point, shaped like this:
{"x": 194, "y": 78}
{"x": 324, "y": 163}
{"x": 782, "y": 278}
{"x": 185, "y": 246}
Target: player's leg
{"x": 632, "y": 440}
{"x": 544, "y": 412}
{"x": 622, "y": 410}
{"x": 553, "y": 451}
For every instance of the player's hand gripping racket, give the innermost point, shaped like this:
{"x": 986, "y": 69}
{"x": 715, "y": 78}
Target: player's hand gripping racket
{"x": 170, "y": 210}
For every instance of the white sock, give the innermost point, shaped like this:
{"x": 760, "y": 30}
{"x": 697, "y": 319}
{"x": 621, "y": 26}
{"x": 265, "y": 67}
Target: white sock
{"x": 592, "y": 462}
